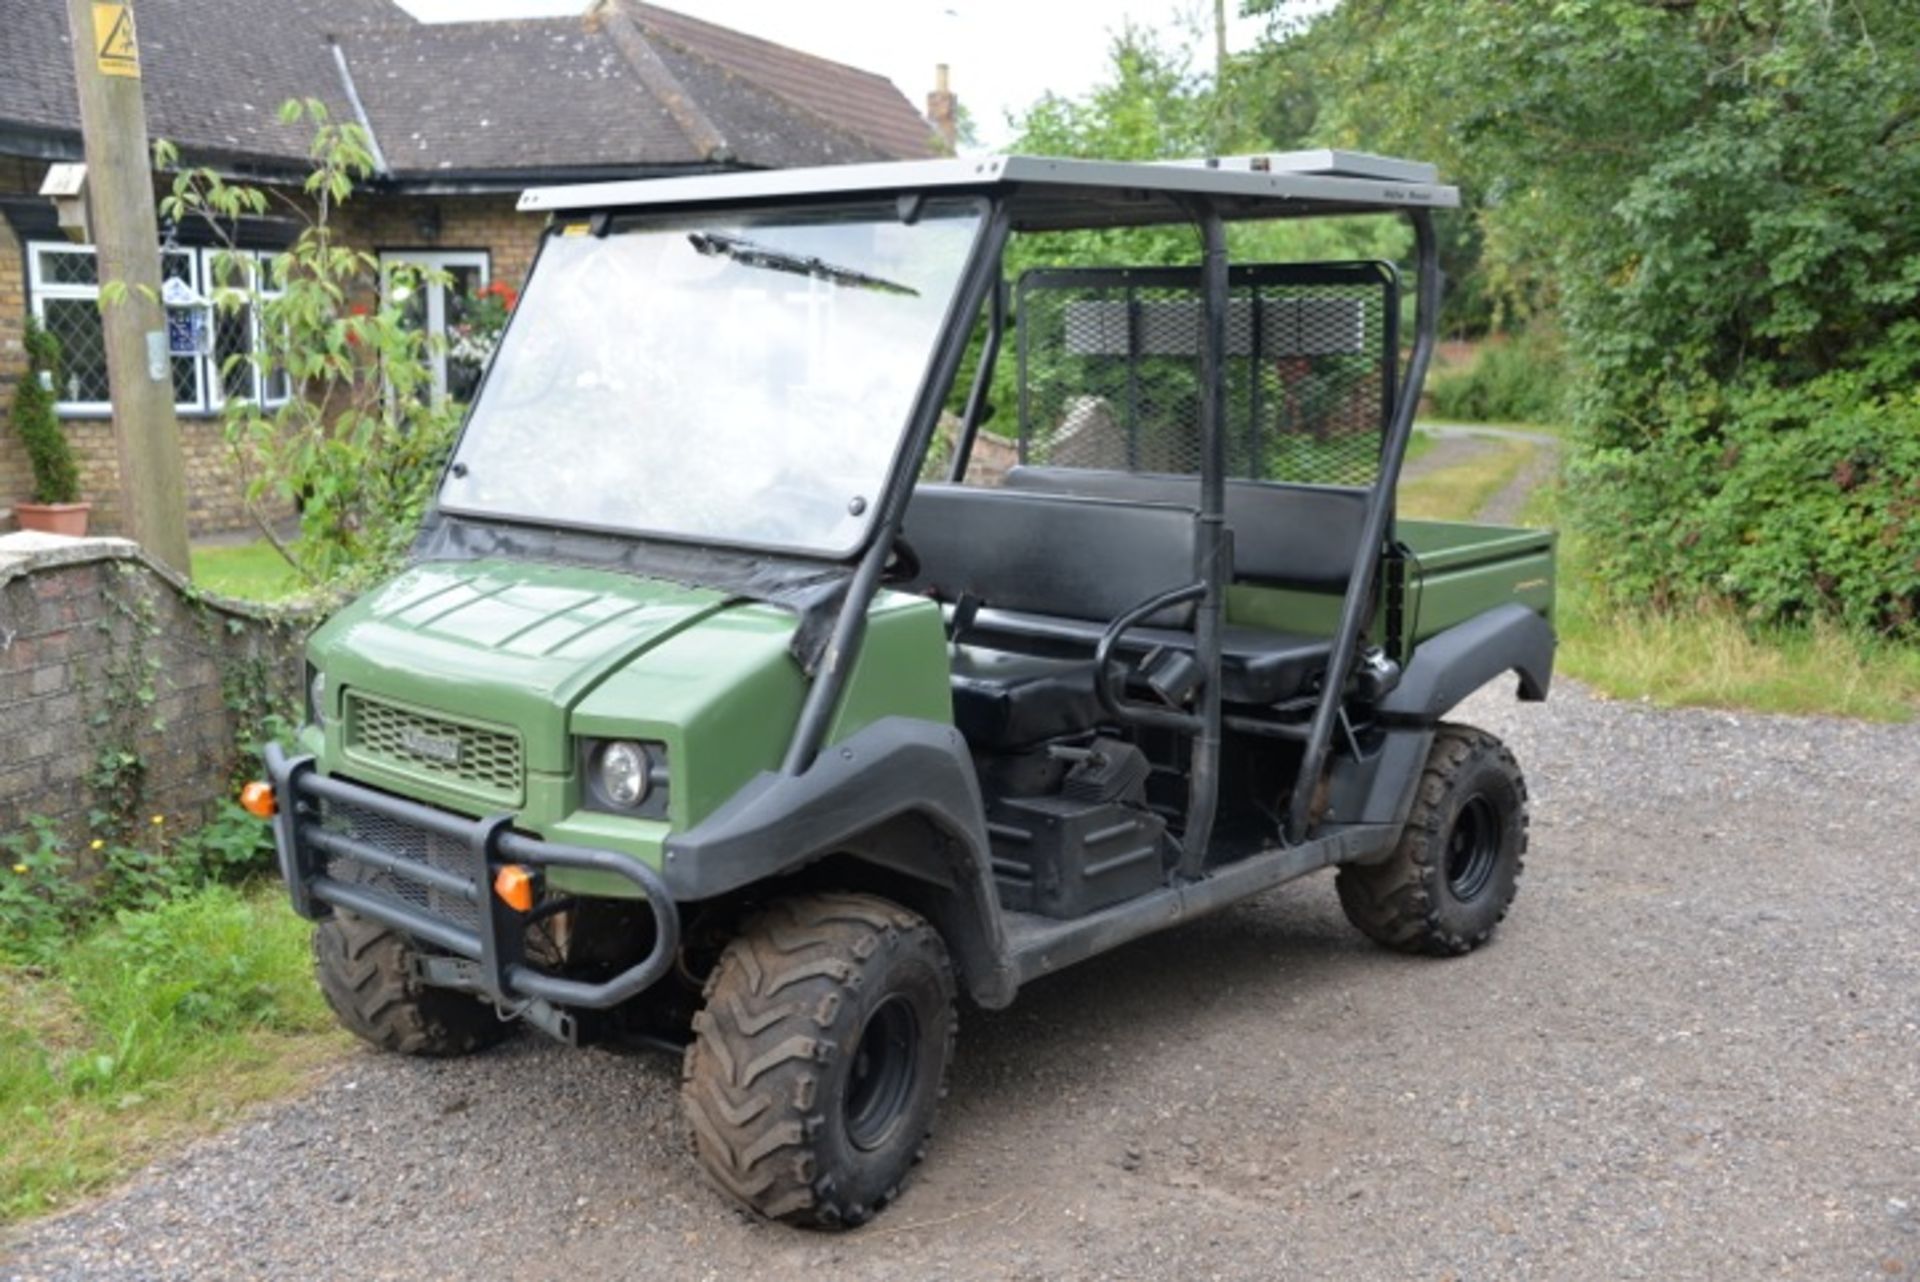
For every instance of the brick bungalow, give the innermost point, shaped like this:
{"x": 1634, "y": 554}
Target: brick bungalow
{"x": 462, "y": 115}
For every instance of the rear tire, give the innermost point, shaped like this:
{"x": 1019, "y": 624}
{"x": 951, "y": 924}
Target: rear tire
{"x": 820, "y": 1058}
{"x": 1453, "y": 875}
{"x": 366, "y": 973}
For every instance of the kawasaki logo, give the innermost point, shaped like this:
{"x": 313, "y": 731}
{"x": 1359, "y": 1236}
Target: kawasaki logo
{"x": 437, "y": 748}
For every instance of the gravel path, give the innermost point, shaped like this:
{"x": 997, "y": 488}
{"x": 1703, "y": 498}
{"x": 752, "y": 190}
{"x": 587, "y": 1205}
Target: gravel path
{"x": 1458, "y": 443}
{"x": 1451, "y": 448}
{"x": 1693, "y": 1052}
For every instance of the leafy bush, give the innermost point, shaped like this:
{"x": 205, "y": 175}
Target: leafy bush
{"x": 40, "y": 901}
{"x": 155, "y": 866}
{"x": 1520, "y": 380}
{"x": 1721, "y": 195}
{"x": 43, "y": 900}
{"x": 360, "y": 444}
{"x": 55, "y": 477}
{"x": 1794, "y": 504}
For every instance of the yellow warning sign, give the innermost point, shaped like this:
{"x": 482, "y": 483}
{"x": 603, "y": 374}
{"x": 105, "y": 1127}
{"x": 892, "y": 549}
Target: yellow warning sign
{"x": 114, "y": 49}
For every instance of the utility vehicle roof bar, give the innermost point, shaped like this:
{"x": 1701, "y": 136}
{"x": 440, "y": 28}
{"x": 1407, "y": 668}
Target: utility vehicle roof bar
{"x": 1353, "y": 609}
{"x": 1203, "y": 761}
{"x": 1287, "y": 185}
{"x": 836, "y": 663}
{"x": 982, "y": 381}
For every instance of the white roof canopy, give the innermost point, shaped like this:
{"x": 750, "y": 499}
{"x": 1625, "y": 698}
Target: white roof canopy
{"x": 1056, "y": 192}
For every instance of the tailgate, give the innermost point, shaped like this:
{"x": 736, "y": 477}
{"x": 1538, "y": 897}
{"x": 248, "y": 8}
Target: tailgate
{"x": 1459, "y": 570}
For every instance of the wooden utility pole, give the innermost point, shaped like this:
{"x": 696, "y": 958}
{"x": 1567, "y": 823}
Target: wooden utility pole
{"x": 126, "y": 236}
{"x": 1223, "y": 124}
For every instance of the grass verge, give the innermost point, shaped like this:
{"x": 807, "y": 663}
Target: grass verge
{"x": 1418, "y": 444}
{"x": 158, "y": 1025}
{"x": 1710, "y": 657}
{"x": 1456, "y": 493}
{"x": 250, "y": 571}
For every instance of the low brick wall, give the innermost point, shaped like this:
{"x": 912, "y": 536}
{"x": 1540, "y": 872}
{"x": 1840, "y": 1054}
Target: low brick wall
{"x": 122, "y": 688}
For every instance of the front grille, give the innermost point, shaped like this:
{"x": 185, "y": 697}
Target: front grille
{"x": 482, "y": 760}
{"x": 403, "y": 841}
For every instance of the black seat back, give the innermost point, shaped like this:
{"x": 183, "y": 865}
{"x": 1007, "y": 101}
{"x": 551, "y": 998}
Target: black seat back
{"x": 1302, "y": 536}
{"x": 1076, "y": 557}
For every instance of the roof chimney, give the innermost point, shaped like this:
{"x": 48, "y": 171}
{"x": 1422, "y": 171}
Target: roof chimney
{"x": 943, "y": 108}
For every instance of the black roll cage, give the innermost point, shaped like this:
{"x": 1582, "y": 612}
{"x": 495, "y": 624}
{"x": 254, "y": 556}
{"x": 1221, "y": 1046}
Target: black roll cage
{"x": 829, "y": 641}
{"x": 983, "y": 284}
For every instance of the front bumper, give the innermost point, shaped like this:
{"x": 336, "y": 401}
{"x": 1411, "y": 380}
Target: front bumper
{"x": 432, "y": 878}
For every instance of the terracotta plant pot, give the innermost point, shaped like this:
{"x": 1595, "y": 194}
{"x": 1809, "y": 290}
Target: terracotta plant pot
{"x": 54, "y": 518}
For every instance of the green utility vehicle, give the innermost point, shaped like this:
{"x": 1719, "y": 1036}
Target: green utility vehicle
{"x": 704, "y": 714}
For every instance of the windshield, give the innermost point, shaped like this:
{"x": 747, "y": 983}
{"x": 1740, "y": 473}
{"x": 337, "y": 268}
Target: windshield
{"x": 736, "y": 378}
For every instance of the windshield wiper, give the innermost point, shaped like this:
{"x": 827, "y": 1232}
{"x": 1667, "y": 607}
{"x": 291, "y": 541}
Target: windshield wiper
{"x": 742, "y": 250}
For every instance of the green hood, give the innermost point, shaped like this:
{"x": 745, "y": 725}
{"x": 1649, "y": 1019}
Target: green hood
{"x": 503, "y": 641}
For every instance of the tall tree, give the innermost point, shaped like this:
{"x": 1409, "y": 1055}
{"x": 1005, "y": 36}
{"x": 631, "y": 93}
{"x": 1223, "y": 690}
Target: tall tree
{"x": 1720, "y": 193}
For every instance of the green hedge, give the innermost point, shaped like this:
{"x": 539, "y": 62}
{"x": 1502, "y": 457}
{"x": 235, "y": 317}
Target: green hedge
{"x": 1522, "y": 379}
{"x": 1792, "y": 503}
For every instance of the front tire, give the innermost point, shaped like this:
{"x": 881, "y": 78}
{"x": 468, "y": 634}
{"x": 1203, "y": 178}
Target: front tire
{"x": 366, "y": 973}
{"x": 820, "y": 1058}
{"x": 1453, "y": 874}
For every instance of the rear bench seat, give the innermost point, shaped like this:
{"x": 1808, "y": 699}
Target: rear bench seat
{"x": 1300, "y": 536}
{"x": 1050, "y": 572}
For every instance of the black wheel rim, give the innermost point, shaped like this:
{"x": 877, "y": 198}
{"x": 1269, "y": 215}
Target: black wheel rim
{"x": 1473, "y": 848}
{"x": 881, "y": 1079}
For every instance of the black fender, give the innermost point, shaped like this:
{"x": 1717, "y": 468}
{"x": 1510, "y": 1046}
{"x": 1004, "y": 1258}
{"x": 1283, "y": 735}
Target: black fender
{"x": 1378, "y": 788}
{"x": 1449, "y": 667}
{"x": 901, "y": 794}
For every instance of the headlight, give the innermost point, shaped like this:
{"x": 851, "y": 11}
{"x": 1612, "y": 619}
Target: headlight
{"x": 621, "y": 769}
{"x": 317, "y": 698}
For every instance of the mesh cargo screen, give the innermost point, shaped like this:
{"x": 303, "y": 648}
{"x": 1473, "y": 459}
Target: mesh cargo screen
{"x": 1109, "y": 363}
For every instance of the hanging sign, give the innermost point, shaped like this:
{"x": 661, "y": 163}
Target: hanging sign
{"x": 187, "y": 332}
{"x": 187, "y": 329}
{"x": 114, "y": 51}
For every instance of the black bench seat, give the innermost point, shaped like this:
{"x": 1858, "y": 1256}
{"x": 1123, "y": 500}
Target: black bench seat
{"x": 1256, "y": 666}
{"x": 1003, "y": 702}
{"x": 1049, "y": 573}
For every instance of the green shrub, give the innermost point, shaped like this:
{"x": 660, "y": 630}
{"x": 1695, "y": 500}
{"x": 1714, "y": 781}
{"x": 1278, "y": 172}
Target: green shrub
{"x": 154, "y": 866}
{"x": 40, "y": 900}
{"x": 1794, "y": 504}
{"x": 1520, "y": 380}
{"x": 44, "y": 901}
{"x": 1720, "y": 196}
{"x": 360, "y": 452}
{"x": 56, "y": 479}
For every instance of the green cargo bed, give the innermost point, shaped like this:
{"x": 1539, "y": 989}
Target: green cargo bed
{"x": 1454, "y": 570}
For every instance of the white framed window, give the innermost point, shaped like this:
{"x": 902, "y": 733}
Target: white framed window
{"x": 438, "y": 304}
{"x": 231, "y": 280}
{"x": 64, "y": 282}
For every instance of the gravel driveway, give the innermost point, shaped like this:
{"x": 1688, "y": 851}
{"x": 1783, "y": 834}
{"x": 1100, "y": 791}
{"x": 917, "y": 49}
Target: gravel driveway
{"x": 1694, "y": 1051}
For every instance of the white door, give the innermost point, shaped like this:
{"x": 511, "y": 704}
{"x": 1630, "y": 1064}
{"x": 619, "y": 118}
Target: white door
{"x": 437, "y": 306}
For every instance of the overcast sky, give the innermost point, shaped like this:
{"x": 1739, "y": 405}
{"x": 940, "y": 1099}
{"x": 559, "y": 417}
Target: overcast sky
{"x": 1003, "y": 53}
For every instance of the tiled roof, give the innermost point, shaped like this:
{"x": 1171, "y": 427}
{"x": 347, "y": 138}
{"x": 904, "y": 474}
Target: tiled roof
{"x": 859, "y": 103}
{"x": 215, "y": 71}
{"x": 470, "y": 96}
{"x": 759, "y": 128}
{"x": 625, "y": 86}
